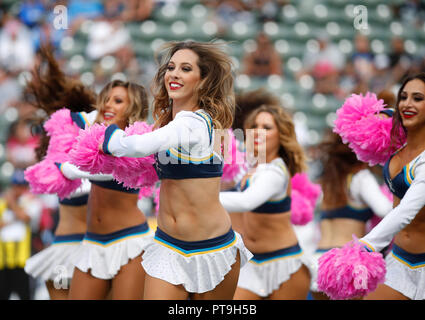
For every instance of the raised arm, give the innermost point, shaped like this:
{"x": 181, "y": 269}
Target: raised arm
{"x": 185, "y": 130}
{"x": 265, "y": 186}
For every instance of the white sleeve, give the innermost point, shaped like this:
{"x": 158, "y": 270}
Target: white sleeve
{"x": 185, "y": 130}
{"x": 91, "y": 116}
{"x": 398, "y": 218}
{"x": 372, "y": 195}
{"x": 72, "y": 172}
{"x": 265, "y": 186}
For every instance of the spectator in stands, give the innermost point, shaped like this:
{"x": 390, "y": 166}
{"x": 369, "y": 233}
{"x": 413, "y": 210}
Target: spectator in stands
{"x": 20, "y": 144}
{"x": 381, "y": 73}
{"x": 324, "y": 65}
{"x": 19, "y": 213}
{"x": 16, "y": 47}
{"x": 137, "y": 10}
{"x": 264, "y": 60}
{"x": 31, "y": 12}
{"x": 10, "y": 90}
{"x": 362, "y": 58}
{"x": 400, "y": 60}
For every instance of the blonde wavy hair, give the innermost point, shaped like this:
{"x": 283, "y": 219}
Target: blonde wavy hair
{"x": 290, "y": 150}
{"x": 215, "y": 91}
{"x": 138, "y": 107}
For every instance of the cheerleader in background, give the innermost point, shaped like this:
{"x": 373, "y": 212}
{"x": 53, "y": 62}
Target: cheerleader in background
{"x": 117, "y": 231}
{"x": 351, "y": 196}
{"x": 196, "y": 253}
{"x": 246, "y": 102}
{"x": 50, "y": 91}
{"x": 278, "y": 269}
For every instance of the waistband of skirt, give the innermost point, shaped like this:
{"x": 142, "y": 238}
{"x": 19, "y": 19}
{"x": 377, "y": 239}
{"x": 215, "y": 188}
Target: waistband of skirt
{"x": 189, "y": 248}
{"x": 68, "y": 238}
{"x": 289, "y": 252}
{"x": 114, "y": 237}
{"x": 412, "y": 260}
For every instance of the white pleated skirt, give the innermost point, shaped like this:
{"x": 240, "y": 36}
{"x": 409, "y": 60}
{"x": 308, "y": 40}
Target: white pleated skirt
{"x": 265, "y": 272}
{"x": 103, "y": 255}
{"x": 56, "y": 262}
{"x": 406, "y": 273}
{"x": 197, "y": 265}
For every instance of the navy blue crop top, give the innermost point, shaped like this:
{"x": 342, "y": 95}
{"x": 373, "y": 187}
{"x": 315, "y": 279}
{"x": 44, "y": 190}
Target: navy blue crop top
{"x": 347, "y": 212}
{"x": 271, "y": 206}
{"x": 75, "y": 202}
{"x": 402, "y": 181}
{"x": 177, "y": 163}
{"x": 114, "y": 185}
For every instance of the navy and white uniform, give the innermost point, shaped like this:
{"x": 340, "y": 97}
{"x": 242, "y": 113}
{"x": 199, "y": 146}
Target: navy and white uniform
{"x": 364, "y": 200}
{"x": 265, "y": 192}
{"x": 103, "y": 255}
{"x": 56, "y": 262}
{"x": 405, "y": 270}
{"x": 184, "y": 149}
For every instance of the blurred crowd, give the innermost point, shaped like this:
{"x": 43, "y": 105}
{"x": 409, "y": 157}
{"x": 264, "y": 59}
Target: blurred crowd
{"x": 25, "y": 25}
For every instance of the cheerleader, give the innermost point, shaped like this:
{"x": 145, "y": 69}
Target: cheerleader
{"x": 50, "y": 90}
{"x": 117, "y": 231}
{"x": 278, "y": 269}
{"x": 404, "y": 174}
{"x": 195, "y": 252}
{"x": 351, "y": 196}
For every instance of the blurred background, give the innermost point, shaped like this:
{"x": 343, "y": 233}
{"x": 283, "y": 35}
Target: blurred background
{"x": 311, "y": 54}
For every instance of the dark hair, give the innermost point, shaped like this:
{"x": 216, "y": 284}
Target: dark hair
{"x": 52, "y": 90}
{"x": 396, "y": 139}
{"x": 249, "y": 101}
{"x": 338, "y": 161}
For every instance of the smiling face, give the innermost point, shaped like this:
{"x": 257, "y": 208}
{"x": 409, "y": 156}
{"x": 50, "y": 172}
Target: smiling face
{"x": 268, "y": 142}
{"x": 412, "y": 104}
{"x": 116, "y": 104}
{"x": 182, "y": 78}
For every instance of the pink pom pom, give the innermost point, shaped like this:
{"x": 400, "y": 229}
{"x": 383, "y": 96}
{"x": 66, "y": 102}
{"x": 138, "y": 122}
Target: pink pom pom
{"x": 86, "y": 154}
{"x": 234, "y": 160}
{"x": 302, "y": 211}
{"x": 304, "y": 196}
{"x": 62, "y": 131}
{"x": 146, "y": 192}
{"x": 45, "y": 177}
{"x": 367, "y": 134}
{"x": 386, "y": 191}
{"x": 136, "y": 172}
{"x": 59, "y": 122}
{"x": 350, "y": 271}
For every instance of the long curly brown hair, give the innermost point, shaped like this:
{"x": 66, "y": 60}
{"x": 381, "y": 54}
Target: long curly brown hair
{"x": 290, "y": 150}
{"x": 215, "y": 91}
{"x": 50, "y": 90}
{"x": 338, "y": 161}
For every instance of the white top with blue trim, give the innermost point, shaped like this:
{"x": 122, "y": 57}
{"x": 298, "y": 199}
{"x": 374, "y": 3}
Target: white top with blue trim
{"x": 188, "y": 130}
{"x": 399, "y": 217}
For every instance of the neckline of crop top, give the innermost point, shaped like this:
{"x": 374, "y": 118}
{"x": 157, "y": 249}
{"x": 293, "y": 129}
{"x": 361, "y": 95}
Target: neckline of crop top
{"x": 399, "y": 184}
{"x": 177, "y": 163}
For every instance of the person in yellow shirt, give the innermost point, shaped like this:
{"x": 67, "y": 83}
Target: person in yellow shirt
{"x": 18, "y": 211}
